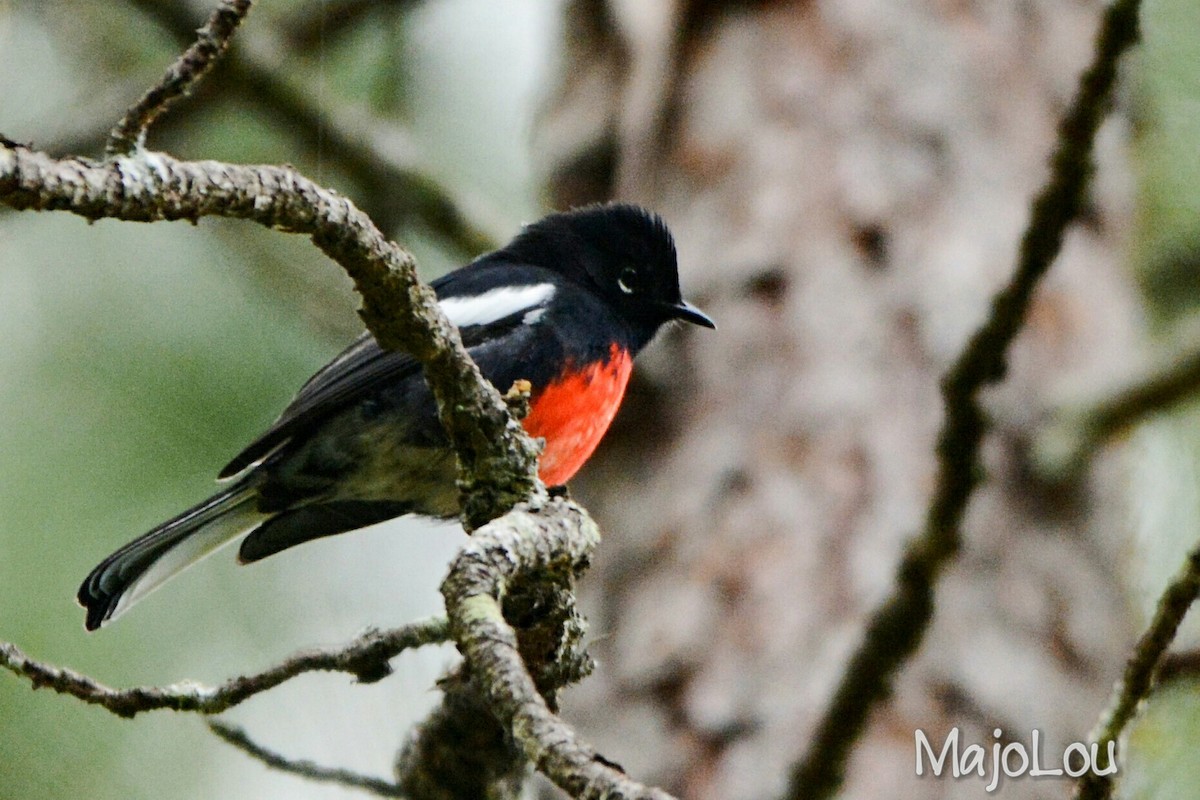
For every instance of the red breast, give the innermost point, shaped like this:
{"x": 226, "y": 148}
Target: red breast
{"x": 573, "y": 412}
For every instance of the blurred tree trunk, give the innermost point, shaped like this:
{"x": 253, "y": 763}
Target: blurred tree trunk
{"x": 847, "y": 182}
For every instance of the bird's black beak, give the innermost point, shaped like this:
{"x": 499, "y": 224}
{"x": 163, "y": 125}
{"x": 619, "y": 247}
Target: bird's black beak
{"x": 689, "y": 313}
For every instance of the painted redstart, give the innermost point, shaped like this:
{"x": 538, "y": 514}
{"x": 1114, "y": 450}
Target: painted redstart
{"x": 566, "y": 305}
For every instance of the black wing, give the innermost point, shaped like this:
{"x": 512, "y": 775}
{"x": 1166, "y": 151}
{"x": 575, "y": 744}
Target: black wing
{"x": 359, "y": 368}
{"x": 364, "y": 365}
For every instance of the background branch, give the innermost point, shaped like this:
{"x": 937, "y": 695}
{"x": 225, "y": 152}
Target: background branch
{"x": 897, "y": 627}
{"x": 236, "y": 737}
{"x": 318, "y": 21}
{"x": 1065, "y": 444}
{"x": 1141, "y": 672}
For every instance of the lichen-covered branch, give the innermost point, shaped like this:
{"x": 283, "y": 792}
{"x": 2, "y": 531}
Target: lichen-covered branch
{"x": 1141, "y": 672}
{"x": 211, "y": 41}
{"x": 366, "y": 658}
{"x": 462, "y": 750}
{"x": 236, "y": 737}
{"x": 897, "y": 627}
{"x": 498, "y": 462}
{"x": 548, "y": 541}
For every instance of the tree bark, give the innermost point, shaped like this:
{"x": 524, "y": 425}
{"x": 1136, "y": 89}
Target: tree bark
{"x": 847, "y": 183}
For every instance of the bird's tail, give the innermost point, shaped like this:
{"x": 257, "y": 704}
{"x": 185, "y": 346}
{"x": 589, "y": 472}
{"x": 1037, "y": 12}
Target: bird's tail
{"x": 144, "y": 564}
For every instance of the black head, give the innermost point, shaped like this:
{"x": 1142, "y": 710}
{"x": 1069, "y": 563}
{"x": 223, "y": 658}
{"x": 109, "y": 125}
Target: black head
{"x": 621, "y": 252}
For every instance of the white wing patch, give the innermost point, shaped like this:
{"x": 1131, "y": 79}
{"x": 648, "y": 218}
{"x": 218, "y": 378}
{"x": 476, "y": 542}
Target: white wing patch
{"x": 496, "y": 304}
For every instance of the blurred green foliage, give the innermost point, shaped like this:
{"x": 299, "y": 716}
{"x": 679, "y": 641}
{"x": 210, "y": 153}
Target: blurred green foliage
{"x": 1161, "y": 760}
{"x": 1167, "y": 104}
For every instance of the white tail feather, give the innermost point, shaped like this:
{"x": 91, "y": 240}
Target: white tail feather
{"x": 192, "y": 550}
{"x": 141, "y": 566}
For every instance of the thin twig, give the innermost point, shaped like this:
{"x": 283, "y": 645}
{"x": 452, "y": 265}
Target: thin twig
{"x": 897, "y": 627}
{"x": 380, "y": 157}
{"x": 1141, "y": 672}
{"x": 366, "y": 658}
{"x": 1066, "y": 443}
{"x": 1178, "y": 664}
{"x": 304, "y": 768}
{"x": 211, "y": 41}
{"x": 557, "y": 539}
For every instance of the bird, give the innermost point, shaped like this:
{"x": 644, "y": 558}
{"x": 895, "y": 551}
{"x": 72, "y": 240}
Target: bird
{"x": 566, "y": 305}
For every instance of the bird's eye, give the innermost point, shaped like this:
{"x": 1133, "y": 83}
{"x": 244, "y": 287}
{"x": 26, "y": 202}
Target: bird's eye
{"x": 627, "y": 281}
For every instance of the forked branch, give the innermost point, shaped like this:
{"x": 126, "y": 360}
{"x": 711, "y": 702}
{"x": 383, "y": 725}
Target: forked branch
{"x": 211, "y": 41}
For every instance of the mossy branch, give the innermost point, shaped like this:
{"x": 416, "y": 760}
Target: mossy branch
{"x": 544, "y": 543}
